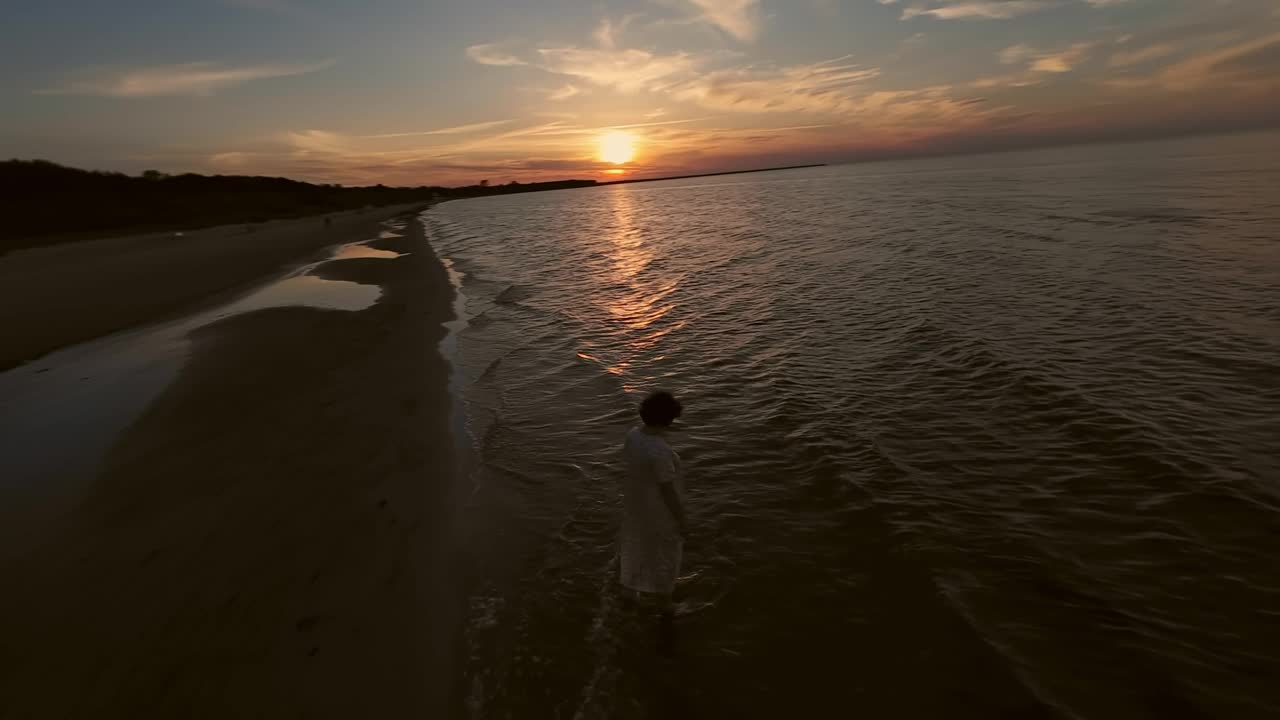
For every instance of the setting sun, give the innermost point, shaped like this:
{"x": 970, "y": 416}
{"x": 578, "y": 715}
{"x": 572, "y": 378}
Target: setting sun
{"x": 617, "y": 147}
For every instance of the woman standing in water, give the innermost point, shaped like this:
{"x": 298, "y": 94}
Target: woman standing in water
{"x": 653, "y": 522}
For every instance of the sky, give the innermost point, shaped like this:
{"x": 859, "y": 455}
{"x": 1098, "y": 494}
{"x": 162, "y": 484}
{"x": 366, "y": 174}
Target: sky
{"x": 417, "y": 92}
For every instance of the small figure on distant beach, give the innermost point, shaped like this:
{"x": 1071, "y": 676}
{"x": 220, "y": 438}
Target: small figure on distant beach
{"x": 653, "y": 522}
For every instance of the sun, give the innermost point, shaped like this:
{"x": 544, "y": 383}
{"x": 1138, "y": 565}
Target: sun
{"x": 617, "y": 147}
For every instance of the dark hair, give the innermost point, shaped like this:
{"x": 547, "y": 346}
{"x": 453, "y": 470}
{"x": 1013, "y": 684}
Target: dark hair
{"x": 660, "y": 409}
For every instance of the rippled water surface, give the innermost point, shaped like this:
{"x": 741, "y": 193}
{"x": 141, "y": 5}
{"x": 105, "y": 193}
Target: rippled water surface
{"x": 974, "y": 437}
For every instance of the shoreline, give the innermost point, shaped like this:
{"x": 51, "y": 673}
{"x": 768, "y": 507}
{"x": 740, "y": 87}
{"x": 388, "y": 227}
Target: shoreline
{"x": 58, "y": 296}
{"x": 273, "y": 533}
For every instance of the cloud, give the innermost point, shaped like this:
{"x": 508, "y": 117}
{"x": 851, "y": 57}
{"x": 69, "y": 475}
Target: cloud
{"x": 654, "y": 124}
{"x": 924, "y": 108}
{"x": 317, "y": 141}
{"x": 1255, "y": 62}
{"x": 1138, "y": 57}
{"x": 1250, "y": 66}
{"x": 1016, "y": 54}
{"x": 1064, "y": 61}
{"x": 604, "y": 34}
{"x": 739, "y": 18}
{"x": 1014, "y": 80}
{"x": 190, "y": 79}
{"x": 328, "y": 156}
{"x": 1046, "y": 62}
{"x": 233, "y": 160}
{"x": 492, "y": 54}
{"x": 627, "y": 70}
{"x": 980, "y": 9}
{"x": 453, "y": 130}
{"x": 823, "y": 86}
{"x": 1260, "y": 59}
{"x": 836, "y": 86}
{"x": 990, "y": 9}
{"x": 813, "y": 87}
{"x": 565, "y": 92}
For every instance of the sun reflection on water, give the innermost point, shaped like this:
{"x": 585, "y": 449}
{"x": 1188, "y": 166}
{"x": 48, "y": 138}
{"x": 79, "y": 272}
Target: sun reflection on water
{"x": 640, "y": 303}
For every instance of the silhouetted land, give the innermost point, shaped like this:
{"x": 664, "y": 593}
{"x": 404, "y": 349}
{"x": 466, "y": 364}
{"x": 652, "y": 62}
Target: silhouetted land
{"x": 45, "y": 203}
{"x": 513, "y": 187}
{"x": 48, "y": 203}
{"x": 714, "y": 174}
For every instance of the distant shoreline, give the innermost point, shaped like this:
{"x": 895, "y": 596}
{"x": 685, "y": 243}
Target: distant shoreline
{"x": 714, "y": 174}
{"x": 51, "y": 204}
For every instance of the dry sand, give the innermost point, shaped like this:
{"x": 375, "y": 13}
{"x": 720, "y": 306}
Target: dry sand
{"x": 271, "y": 539}
{"x": 56, "y": 296}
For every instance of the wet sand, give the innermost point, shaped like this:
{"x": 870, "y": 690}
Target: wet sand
{"x": 56, "y": 296}
{"x": 270, "y": 538}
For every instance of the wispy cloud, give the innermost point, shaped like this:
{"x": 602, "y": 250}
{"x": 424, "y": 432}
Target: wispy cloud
{"x": 1144, "y": 55}
{"x": 1037, "y": 64}
{"x": 713, "y": 81}
{"x": 453, "y": 130}
{"x": 1228, "y": 62}
{"x": 739, "y": 18}
{"x": 564, "y": 92}
{"x": 685, "y": 121}
{"x": 626, "y": 70}
{"x": 1255, "y": 63}
{"x": 823, "y": 86}
{"x": 1016, "y": 54}
{"x": 189, "y": 79}
{"x": 1062, "y": 61}
{"x": 1012, "y": 80}
{"x": 1054, "y": 61}
{"x": 991, "y": 9}
{"x": 492, "y": 54}
{"x": 978, "y": 10}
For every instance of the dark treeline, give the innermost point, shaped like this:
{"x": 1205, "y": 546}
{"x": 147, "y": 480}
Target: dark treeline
{"x": 46, "y": 203}
{"x": 485, "y": 188}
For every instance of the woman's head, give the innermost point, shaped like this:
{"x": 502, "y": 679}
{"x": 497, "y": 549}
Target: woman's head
{"x": 660, "y": 409}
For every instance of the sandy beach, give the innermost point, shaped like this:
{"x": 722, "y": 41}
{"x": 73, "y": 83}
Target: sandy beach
{"x": 56, "y": 296}
{"x": 270, "y": 538}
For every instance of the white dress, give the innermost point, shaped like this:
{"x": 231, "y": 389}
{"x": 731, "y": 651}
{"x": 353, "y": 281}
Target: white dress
{"x": 650, "y": 545}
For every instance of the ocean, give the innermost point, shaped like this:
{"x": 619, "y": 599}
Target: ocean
{"x": 972, "y": 437}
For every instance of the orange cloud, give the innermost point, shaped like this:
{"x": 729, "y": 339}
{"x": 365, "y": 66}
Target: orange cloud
{"x": 1145, "y": 55}
{"x": 819, "y": 87}
{"x": 198, "y": 79}
{"x": 625, "y": 70}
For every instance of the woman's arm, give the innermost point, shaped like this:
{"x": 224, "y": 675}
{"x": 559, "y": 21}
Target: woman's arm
{"x": 672, "y": 501}
{"x": 666, "y": 470}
